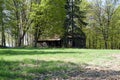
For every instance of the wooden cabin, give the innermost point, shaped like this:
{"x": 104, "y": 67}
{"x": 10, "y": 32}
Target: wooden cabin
{"x": 76, "y": 41}
{"x": 50, "y": 43}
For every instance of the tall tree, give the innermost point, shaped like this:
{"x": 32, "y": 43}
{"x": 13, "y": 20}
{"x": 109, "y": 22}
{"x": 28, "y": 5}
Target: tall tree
{"x": 48, "y": 15}
{"x": 2, "y": 15}
{"x": 115, "y": 30}
{"x": 19, "y": 22}
{"x": 74, "y": 16}
{"x": 102, "y": 12}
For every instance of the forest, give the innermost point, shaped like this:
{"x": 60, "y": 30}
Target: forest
{"x": 24, "y": 22}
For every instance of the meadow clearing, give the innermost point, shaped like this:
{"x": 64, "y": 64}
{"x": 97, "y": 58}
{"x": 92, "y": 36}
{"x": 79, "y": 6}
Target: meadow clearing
{"x": 61, "y": 64}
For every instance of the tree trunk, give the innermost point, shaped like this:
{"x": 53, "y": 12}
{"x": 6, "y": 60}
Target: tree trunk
{"x": 3, "y": 35}
{"x": 35, "y": 39}
{"x": 36, "y": 35}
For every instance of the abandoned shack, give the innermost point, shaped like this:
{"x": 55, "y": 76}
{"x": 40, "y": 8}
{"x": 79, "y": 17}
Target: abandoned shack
{"x": 50, "y": 43}
{"x": 75, "y": 41}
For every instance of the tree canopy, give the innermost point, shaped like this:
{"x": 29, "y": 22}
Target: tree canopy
{"x": 25, "y": 22}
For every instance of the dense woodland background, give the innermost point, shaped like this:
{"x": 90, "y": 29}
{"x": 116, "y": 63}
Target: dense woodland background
{"x": 23, "y": 22}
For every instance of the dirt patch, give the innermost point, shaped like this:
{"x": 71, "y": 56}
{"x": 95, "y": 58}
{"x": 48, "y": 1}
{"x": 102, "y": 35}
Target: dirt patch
{"x": 111, "y": 70}
{"x": 99, "y": 73}
{"x": 116, "y": 56}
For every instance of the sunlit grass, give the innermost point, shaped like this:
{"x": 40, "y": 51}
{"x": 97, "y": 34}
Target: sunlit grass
{"x": 21, "y": 64}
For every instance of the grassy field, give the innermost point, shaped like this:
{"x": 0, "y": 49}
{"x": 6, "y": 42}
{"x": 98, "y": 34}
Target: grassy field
{"x": 30, "y": 64}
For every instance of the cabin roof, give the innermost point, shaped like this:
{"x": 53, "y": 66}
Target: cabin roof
{"x": 45, "y": 40}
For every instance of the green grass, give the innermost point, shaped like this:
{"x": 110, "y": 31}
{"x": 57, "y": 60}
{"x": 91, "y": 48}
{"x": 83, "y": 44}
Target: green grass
{"x": 27, "y": 64}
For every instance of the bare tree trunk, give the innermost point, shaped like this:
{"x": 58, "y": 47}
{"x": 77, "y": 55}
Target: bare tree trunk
{"x": 35, "y": 37}
{"x": 3, "y": 33}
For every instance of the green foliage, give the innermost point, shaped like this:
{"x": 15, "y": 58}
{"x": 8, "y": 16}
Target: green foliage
{"x": 101, "y": 31}
{"x": 22, "y": 20}
{"x": 49, "y": 15}
{"x": 114, "y": 29}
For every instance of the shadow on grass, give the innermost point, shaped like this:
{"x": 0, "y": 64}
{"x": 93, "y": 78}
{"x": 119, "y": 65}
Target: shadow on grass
{"x": 50, "y": 70}
{"x": 99, "y": 74}
{"x": 36, "y": 69}
{"x": 33, "y": 52}
{"x": 10, "y": 70}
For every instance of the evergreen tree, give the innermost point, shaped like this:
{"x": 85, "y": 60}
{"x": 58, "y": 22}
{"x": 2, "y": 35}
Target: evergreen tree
{"x": 74, "y": 16}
